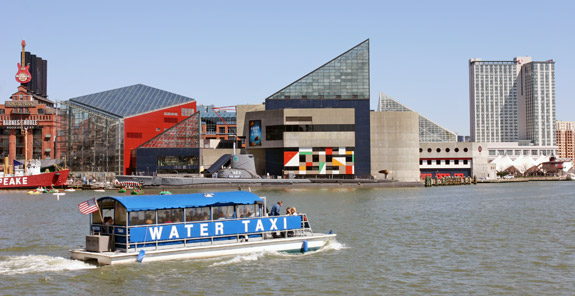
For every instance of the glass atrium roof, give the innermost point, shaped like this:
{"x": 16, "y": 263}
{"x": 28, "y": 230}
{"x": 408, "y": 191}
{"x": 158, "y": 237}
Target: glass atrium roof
{"x": 429, "y": 131}
{"x": 345, "y": 77}
{"x": 131, "y": 100}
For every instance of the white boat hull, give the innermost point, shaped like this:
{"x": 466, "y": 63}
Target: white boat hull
{"x": 314, "y": 241}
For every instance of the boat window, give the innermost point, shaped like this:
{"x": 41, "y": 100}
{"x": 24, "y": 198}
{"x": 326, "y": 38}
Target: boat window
{"x": 197, "y": 214}
{"x": 245, "y": 211}
{"x": 120, "y": 217}
{"x": 170, "y": 216}
{"x": 223, "y": 212}
{"x": 142, "y": 217}
{"x": 108, "y": 212}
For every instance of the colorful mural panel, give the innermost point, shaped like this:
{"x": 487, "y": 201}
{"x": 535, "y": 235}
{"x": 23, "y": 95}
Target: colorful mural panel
{"x": 319, "y": 161}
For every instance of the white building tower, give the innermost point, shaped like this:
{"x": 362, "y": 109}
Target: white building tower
{"x": 512, "y": 101}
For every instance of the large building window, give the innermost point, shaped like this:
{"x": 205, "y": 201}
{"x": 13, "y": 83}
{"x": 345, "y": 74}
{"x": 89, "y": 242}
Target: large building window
{"x": 178, "y": 164}
{"x": 275, "y": 132}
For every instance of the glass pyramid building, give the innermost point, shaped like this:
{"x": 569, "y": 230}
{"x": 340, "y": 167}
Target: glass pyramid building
{"x": 429, "y": 131}
{"x": 129, "y": 100}
{"x": 344, "y": 77}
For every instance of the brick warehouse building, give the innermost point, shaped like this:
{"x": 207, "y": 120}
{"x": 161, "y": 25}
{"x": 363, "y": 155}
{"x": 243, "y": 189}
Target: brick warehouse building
{"x": 28, "y": 120}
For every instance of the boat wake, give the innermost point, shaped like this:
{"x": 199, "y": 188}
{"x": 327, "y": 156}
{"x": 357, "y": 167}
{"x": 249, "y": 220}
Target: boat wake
{"x": 240, "y": 259}
{"x": 331, "y": 245}
{"x": 13, "y": 265}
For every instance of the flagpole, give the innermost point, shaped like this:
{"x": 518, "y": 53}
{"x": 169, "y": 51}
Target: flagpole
{"x": 101, "y": 218}
{"x": 99, "y": 212}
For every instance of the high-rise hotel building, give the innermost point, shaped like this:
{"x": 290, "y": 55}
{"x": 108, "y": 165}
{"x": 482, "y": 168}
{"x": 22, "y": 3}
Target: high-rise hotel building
{"x": 512, "y": 101}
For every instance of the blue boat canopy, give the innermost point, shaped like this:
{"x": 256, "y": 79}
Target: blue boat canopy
{"x": 175, "y": 201}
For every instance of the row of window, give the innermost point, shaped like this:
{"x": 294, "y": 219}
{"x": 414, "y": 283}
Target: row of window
{"x": 495, "y": 152}
{"x": 23, "y": 110}
{"x": 275, "y": 132}
{"x": 438, "y": 150}
{"x": 221, "y": 130}
{"x": 193, "y": 214}
{"x": 445, "y": 161}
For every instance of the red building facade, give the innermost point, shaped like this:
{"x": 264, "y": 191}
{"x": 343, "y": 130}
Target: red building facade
{"x": 140, "y": 128}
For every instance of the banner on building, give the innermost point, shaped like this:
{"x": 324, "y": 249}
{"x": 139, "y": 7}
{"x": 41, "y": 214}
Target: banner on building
{"x": 255, "y": 133}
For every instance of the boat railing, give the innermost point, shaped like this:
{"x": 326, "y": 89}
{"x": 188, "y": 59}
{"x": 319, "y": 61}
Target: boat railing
{"x": 120, "y": 235}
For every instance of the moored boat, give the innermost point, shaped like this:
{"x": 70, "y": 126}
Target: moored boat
{"x": 36, "y": 191}
{"x": 32, "y": 177}
{"x": 156, "y": 227}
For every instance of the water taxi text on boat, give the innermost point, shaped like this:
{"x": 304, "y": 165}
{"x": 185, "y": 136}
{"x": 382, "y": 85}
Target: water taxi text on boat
{"x": 199, "y": 225}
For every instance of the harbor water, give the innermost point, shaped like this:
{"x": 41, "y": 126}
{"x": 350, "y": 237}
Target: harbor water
{"x": 489, "y": 239}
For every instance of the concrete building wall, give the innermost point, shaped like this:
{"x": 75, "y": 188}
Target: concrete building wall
{"x": 361, "y": 150}
{"x": 303, "y": 116}
{"x": 324, "y": 139}
{"x": 481, "y": 167}
{"x": 319, "y": 139}
{"x": 241, "y": 111}
{"x": 394, "y": 145}
{"x": 338, "y": 133}
{"x": 468, "y": 158}
{"x": 320, "y": 116}
{"x": 267, "y": 118}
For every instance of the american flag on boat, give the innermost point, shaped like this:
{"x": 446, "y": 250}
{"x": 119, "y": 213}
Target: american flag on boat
{"x": 88, "y": 206}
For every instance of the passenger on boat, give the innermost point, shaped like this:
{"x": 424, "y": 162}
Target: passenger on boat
{"x": 247, "y": 214}
{"x": 109, "y": 230}
{"x": 276, "y": 209}
{"x": 288, "y": 211}
{"x": 294, "y": 211}
{"x": 108, "y": 225}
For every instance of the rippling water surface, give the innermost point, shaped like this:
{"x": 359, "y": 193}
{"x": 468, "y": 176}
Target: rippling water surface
{"x": 514, "y": 239}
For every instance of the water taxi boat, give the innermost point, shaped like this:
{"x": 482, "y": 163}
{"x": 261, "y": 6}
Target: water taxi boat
{"x": 198, "y": 225}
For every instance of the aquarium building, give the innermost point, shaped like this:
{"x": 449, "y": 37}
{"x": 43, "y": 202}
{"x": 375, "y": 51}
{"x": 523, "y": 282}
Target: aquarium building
{"x": 100, "y": 132}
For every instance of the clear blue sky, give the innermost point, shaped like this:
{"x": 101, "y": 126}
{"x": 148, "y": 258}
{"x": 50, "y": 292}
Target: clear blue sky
{"x": 240, "y": 52}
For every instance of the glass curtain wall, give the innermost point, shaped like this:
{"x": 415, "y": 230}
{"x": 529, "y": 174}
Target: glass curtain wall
{"x": 345, "y": 77}
{"x": 91, "y": 141}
